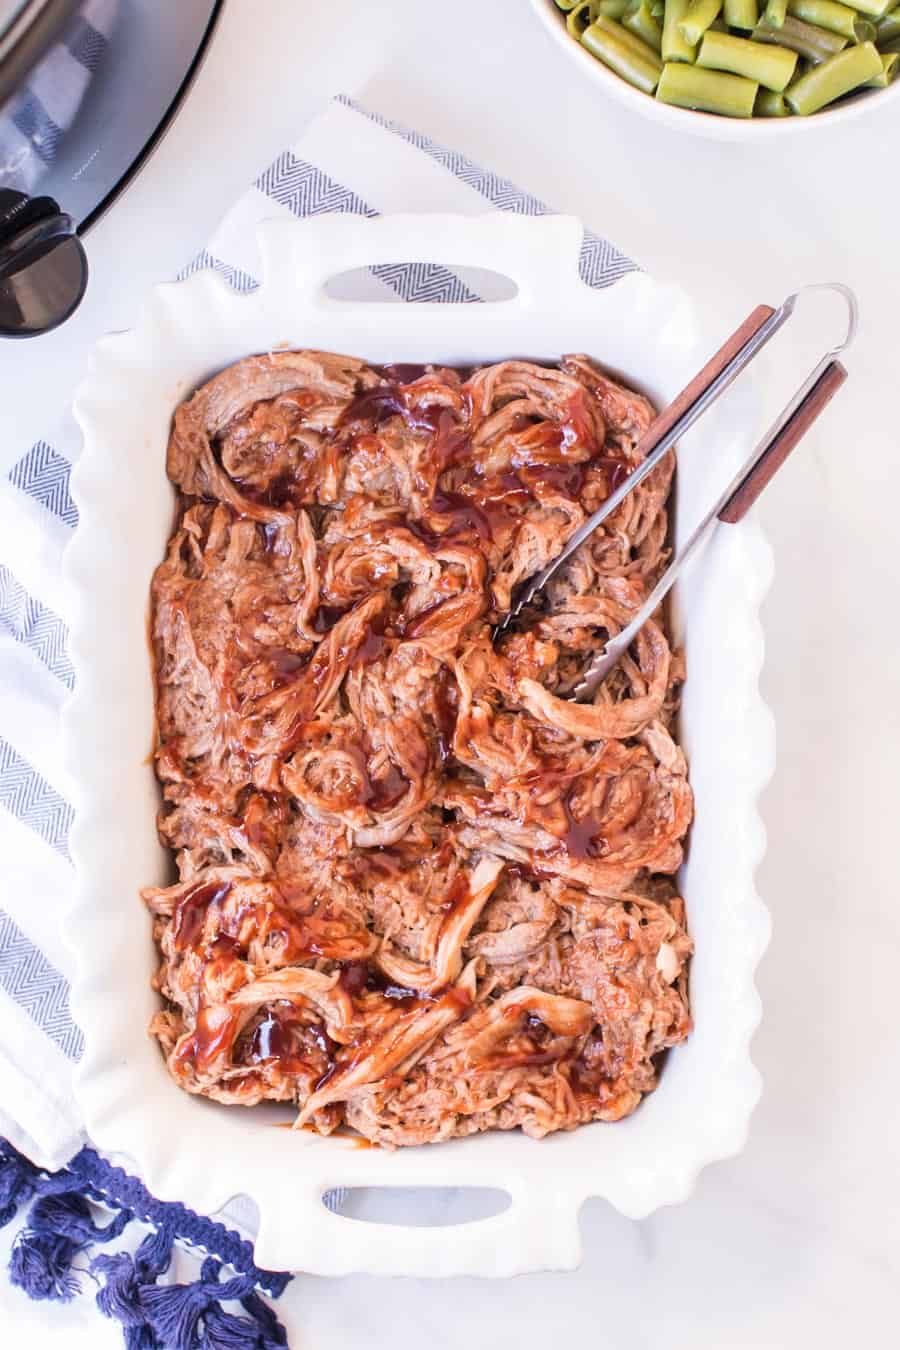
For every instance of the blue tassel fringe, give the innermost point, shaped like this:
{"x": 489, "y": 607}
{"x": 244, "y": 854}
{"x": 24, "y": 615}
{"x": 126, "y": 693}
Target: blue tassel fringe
{"x": 60, "y": 1226}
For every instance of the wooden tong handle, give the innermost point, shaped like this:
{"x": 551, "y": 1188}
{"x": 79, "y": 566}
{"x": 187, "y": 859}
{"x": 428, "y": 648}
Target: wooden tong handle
{"x": 774, "y": 455}
{"x": 703, "y": 379}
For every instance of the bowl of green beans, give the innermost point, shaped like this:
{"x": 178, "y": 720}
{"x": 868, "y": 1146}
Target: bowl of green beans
{"x": 712, "y": 66}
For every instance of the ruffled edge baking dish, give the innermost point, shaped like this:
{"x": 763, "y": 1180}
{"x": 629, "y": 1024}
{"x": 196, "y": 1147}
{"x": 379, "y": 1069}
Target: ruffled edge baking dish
{"x": 195, "y": 1151}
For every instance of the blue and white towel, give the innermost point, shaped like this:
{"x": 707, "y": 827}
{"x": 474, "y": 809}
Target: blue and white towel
{"x": 349, "y": 160}
{"x": 36, "y": 119}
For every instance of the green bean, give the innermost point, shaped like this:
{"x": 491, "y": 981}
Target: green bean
{"x": 876, "y": 8}
{"x": 772, "y": 67}
{"x": 579, "y": 18}
{"x": 769, "y": 104}
{"x": 674, "y": 47}
{"x": 835, "y": 17}
{"x": 739, "y": 58}
{"x": 888, "y": 28}
{"x": 623, "y": 52}
{"x": 708, "y": 90}
{"x": 639, "y": 21}
{"x": 814, "y": 44}
{"x": 741, "y": 13}
{"x": 890, "y": 69}
{"x": 699, "y": 16}
{"x": 619, "y": 34}
{"x": 835, "y": 77}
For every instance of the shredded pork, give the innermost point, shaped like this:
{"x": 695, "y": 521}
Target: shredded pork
{"x": 421, "y": 893}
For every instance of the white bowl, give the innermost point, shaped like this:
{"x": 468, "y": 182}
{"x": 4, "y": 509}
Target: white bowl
{"x": 749, "y": 130}
{"x": 200, "y": 1153}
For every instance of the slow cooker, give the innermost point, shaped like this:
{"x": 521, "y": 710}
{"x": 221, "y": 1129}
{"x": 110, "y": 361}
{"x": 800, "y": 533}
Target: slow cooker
{"x": 87, "y": 88}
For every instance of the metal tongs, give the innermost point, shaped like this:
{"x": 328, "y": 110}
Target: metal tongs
{"x": 719, "y": 372}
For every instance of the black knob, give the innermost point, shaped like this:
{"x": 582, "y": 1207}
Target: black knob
{"x": 43, "y": 266}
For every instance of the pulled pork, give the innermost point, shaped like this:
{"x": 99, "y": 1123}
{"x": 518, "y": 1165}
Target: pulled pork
{"x": 421, "y": 893}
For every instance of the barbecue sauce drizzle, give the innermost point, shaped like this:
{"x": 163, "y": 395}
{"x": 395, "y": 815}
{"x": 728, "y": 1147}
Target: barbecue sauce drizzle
{"x": 482, "y": 508}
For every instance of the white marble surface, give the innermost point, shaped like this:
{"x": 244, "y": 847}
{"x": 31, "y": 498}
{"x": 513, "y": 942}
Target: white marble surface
{"x": 797, "y": 1241}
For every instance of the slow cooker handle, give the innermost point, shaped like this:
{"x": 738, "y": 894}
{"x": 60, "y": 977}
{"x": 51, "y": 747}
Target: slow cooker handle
{"x": 43, "y": 265}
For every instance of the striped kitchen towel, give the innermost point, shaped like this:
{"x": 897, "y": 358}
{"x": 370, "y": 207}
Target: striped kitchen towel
{"x": 349, "y": 160}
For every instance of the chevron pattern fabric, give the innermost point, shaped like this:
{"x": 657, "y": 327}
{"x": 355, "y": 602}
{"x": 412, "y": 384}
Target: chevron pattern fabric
{"x": 426, "y": 283}
{"x": 44, "y": 474}
{"x": 235, "y": 276}
{"x": 35, "y": 626}
{"x": 28, "y": 977}
{"x": 499, "y": 191}
{"x": 29, "y": 797}
{"x": 306, "y": 191}
{"x": 601, "y": 264}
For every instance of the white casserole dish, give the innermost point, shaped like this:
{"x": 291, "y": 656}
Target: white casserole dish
{"x": 200, "y": 1153}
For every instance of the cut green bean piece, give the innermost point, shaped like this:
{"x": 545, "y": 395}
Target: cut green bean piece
{"x": 700, "y": 14}
{"x": 630, "y": 58}
{"x": 890, "y": 69}
{"x": 620, "y": 34}
{"x": 741, "y": 13}
{"x": 775, "y": 12}
{"x": 772, "y": 67}
{"x": 674, "y": 47}
{"x": 639, "y": 21}
{"x": 770, "y": 104}
{"x": 611, "y": 9}
{"x": 814, "y": 44}
{"x": 827, "y": 41}
{"x": 837, "y": 76}
{"x": 888, "y": 28}
{"x": 835, "y": 17}
{"x": 566, "y": 5}
{"x": 706, "y": 90}
{"x": 875, "y": 8}
{"x": 579, "y": 18}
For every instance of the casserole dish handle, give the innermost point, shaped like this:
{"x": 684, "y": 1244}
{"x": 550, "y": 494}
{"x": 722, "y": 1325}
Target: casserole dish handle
{"x": 538, "y": 1231}
{"x": 540, "y": 255}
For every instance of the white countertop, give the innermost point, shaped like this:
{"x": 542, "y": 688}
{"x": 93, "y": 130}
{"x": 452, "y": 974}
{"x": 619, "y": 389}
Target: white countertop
{"x": 797, "y": 1241}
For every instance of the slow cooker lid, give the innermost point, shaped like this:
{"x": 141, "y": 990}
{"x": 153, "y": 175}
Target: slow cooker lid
{"x": 17, "y": 16}
{"x": 9, "y": 9}
{"x": 150, "y": 53}
{"x": 27, "y": 11}
{"x": 27, "y": 28}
